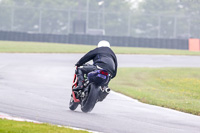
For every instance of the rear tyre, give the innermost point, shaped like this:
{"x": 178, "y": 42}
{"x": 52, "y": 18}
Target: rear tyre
{"x": 72, "y": 104}
{"x": 89, "y": 101}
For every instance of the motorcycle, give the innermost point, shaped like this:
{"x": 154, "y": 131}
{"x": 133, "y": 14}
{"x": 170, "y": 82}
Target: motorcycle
{"x": 93, "y": 90}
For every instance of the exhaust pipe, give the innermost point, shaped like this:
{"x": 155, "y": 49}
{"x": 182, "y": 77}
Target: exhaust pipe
{"x": 107, "y": 90}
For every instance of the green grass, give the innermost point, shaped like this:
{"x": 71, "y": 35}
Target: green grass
{"x": 36, "y": 47}
{"x": 9, "y": 126}
{"x": 175, "y": 88}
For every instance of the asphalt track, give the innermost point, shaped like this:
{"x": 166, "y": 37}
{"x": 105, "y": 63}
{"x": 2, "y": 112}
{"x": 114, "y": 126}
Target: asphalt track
{"x": 37, "y": 87}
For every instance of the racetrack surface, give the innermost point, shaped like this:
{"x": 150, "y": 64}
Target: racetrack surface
{"x": 38, "y": 87}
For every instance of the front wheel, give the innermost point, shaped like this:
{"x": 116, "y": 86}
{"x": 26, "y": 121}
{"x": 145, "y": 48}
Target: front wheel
{"x": 72, "y": 104}
{"x": 90, "y": 100}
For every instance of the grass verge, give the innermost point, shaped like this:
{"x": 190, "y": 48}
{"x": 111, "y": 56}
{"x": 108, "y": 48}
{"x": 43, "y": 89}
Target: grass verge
{"x": 9, "y": 126}
{"x": 175, "y": 88}
{"x": 36, "y": 47}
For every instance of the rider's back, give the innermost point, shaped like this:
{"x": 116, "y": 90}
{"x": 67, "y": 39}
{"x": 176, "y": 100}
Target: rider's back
{"x": 106, "y": 59}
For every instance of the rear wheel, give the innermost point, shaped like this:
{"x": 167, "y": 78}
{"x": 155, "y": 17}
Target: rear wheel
{"x": 72, "y": 104}
{"x": 90, "y": 99}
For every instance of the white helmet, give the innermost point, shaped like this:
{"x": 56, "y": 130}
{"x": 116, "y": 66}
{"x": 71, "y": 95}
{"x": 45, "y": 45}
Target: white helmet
{"x": 103, "y": 44}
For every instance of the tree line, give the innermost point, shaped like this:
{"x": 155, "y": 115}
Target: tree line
{"x": 150, "y": 18}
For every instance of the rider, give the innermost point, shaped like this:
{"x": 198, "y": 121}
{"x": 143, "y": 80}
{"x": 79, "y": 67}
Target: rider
{"x": 103, "y": 58}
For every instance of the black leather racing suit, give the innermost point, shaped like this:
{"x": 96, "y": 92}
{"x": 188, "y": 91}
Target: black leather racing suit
{"x": 102, "y": 57}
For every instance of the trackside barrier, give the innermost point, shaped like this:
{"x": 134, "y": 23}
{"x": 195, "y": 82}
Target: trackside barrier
{"x": 94, "y": 39}
{"x": 194, "y": 44}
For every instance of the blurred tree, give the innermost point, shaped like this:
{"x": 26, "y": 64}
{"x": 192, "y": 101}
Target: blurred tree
{"x": 191, "y": 8}
{"x": 51, "y": 16}
{"x": 94, "y": 5}
{"x": 44, "y": 16}
{"x": 175, "y": 18}
{"x": 148, "y": 18}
